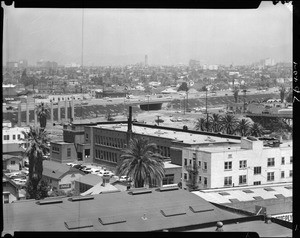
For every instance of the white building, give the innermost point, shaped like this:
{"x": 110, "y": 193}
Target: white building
{"x": 12, "y": 135}
{"x": 247, "y": 163}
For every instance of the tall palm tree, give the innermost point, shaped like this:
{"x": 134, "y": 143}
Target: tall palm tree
{"x": 201, "y": 124}
{"x": 141, "y": 162}
{"x": 215, "y": 122}
{"x": 243, "y": 127}
{"x": 282, "y": 92}
{"x": 236, "y": 95}
{"x": 256, "y": 130}
{"x": 36, "y": 141}
{"x": 229, "y": 123}
{"x": 42, "y": 112}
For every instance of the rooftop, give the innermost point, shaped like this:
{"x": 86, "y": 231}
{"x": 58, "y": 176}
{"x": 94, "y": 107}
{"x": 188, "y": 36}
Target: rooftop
{"x": 186, "y": 137}
{"x": 90, "y": 179}
{"x": 104, "y": 212}
{"x": 98, "y": 188}
{"x": 169, "y": 165}
{"x": 56, "y": 170}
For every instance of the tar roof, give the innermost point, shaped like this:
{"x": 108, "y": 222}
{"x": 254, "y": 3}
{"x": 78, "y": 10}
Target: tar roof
{"x": 142, "y": 212}
{"x": 186, "y": 137}
{"x": 263, "y": 229}
{"x": 242, "y": 195}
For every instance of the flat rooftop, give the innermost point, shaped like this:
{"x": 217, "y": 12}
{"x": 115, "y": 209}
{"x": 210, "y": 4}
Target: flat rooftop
{"x": 186, "y": 137}
{"x": 169, "y": 165}
{"x": 247, "y": 193}
{"x": 141, "y": 212}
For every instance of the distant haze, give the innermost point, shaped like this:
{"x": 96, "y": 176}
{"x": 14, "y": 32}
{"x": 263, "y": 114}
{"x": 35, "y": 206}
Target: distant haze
{"x": 125, "y": 36}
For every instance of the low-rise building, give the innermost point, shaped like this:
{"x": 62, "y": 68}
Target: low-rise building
{"x": 249, "y": 163}
{"x": 60, "y": 176}
{"x": 12, "y": 162}
{"x": 62, "y": 152}
{"x": 10, "y": 190}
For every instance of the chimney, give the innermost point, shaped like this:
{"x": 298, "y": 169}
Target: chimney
{"x": 105, "y": 179}
{"x": 219, "y": 226}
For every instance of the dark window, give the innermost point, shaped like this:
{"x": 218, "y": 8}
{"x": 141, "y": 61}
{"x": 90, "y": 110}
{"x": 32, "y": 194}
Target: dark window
{"x": 228, "y": 165}
{"x": 185, "y": 161}
{"x": 257, "y": 183}
{"x": 205, "y": 166}
{"x": 205, "y": 181}
{"x": 242, "y": 179}
{"x": 282, "y": 160}
{"x": 257, "y": 170}
{"x": 19, "y": 136}
{"x": 69, "y": 152}
{"x": 168, "y": 179}
{"x": 291, "y": 159}
{"x": 291, "y": 173}
{"x": 228, "y": 181}
{"x": 185, "y": 176}
{"x": 271, "y": 162}
{"x": 282, "y": 174}
{"x": 270, "y": 176}
{"x": 14, "y": 137}
{"x": 12, "y": 162}
{"x": 87, "y": 152}
{"x": 243, "y": 164}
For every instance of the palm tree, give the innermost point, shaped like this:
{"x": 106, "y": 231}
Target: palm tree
{"x": 236, "y": 95}
{"x": 229, "y": 123}
{"x": 256, "y": 130}
{"x": 36, "y": 141}
{"x": 243, "y": 127}
{"x": 201, "y": 124}
{"x": 282, "y": 93}
{"x": 141, "y": 162}
{"x": 215, "y": 122}
{"x": 43, "y": 112}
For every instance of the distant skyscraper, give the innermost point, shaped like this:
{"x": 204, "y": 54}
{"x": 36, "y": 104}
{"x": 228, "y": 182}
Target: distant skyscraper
{"x": 146, "y": 60}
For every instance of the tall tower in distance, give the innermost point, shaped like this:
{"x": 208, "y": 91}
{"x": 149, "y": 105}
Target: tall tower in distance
{"x": 146, "y": 60}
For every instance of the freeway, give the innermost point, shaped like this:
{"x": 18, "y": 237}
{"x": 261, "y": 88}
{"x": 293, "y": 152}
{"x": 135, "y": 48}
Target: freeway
{"x": 142, "y": 99}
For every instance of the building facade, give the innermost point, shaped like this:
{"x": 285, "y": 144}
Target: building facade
{"x": 250, "y": 163}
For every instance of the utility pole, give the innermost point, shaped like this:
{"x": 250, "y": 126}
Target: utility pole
{"x": 206, "y": 109}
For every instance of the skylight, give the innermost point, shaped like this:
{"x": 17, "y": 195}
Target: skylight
{"x": 224, "y": 193}
{"x": 77, "y": 224}
{"x": 258, "y": 198}
{"x": 269, "y": 189}
{"x": 279, "y": 196}
{"x": 175, "y": 211}
{"x": 201, "y": 208}
{"x": 81, "y": 198}
{"x": 233, "y": 200}
{"x": 248, "y": 191}
{"x": 50, "y": 201}
{"x": 111, "y": 220}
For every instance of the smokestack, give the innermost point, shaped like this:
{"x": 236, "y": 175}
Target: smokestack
{"x": 129, "y": 126}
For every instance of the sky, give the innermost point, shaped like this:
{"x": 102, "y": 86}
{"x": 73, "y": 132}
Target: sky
{"x": 104, "y": 37}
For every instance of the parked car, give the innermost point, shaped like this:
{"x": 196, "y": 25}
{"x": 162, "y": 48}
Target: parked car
{"x": 87, "y": 170}
{"x": 71, "y": 164}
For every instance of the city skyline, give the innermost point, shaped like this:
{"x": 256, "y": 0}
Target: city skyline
{"x": 168, "y": 37}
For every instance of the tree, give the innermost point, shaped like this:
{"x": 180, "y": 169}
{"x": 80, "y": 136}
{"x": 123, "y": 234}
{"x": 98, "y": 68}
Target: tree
{"x": 36, "y": 141}
{"x": 243, "y": 127}
{"x": 40, "y": 192}
{"x": 141, "y": 162}
{"x": 229, "y": 123}
{"x": 42, "y": 112}
{"x": 282, "y": 93}
{"x": 236, "y": 95}
{"x": 215, "y": 122}
{"x": 109, "y": 117}
{"x": 183, "y": 87}
{"x": 256, "y": 130}
{"x": 201, "y": 124}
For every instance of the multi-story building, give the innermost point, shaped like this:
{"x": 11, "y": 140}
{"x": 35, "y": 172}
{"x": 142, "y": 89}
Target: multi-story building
{"x": 62, "y": 152}
{"x": 252, "y": 162}
{"x": 12, "y": 138}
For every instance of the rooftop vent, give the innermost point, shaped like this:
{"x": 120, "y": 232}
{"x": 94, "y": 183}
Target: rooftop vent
{"x": 269, "y": 189}
{"x": 224, "y": 193}
{"x": 77, "y": 224}
{"x": 50, "y": 201}
{"x": 81, "y": 198}
{"x": 248, "y": 191}
{"x": 233, "y": 200}
{"x": 168, "y": 188}
{"x": 279, "y": 196}
{"x": 111, "y": 220}
{"x": 175, "y": 211}
{"x": 140, "y": 191}
{"x": 258, "y": 198}
{"x": 201, "y": 208}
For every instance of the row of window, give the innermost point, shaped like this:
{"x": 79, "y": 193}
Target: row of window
{"x": 228, "y": 165}
{"x": 168, "y": 179}
{"x": 243, "y": 178}
{"x": 109, "y": 141}
{"x": 54, "y": 148}
{"x": 199, "y": 163}
{"x": 6, "y": 137}
{"x": 106, "y": 155}
{"x": 205, "y": 179}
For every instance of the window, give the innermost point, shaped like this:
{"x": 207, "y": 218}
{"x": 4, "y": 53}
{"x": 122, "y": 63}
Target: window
{"x": 228, "y": 181}
{"x": 271, "y": 162}
{"x": 291, "y": 159}
{"x": 87, "y": 152}
{"x": 205, "y": 166}
{"x": 291, "y": 173}
{"x": 228, "y": 165}
{"x": 282, "y": 174}
{"x": 14, "y": 137}
{"x": 185, "y": 176}
{"x": 19, "y": 136}
{"x": 243, "y": 164}
{"x": 282, "y": 160}
{"x": 6, "y": 137}
{"x": 185, "y": 161}
{"x": 69, "y": 152}
{"x": 270, "y": 176}
{"x": 6, "y": 198}
{"x": 200, "y": 179}
{"x": 242, "y": 179}
{"x": 257, "y": 183}
{"x": 168, "y": 179}
{"x": 229, "y": 156}
{"x": 205, "y": 181}
{"x": 12, "y": 162}
{"x": 86, "y": 136}
{"x": 199, "y": 162}
{"x": 190, "y": 161}
{"x": 257, "y": 170}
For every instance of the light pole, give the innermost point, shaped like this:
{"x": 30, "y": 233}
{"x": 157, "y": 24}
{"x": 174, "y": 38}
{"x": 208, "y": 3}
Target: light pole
{"x": 206, "y": 109}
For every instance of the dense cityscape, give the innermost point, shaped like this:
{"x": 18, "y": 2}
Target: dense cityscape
{"x": 148, "y": 147}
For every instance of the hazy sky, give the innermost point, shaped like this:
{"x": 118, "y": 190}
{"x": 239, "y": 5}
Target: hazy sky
{"x": 167, "y": 36}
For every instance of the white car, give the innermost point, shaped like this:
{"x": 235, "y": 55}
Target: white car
{"x": 71, "y": 164}
{"x": 123, "y": 178}
{"x": 20, "y": 181}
